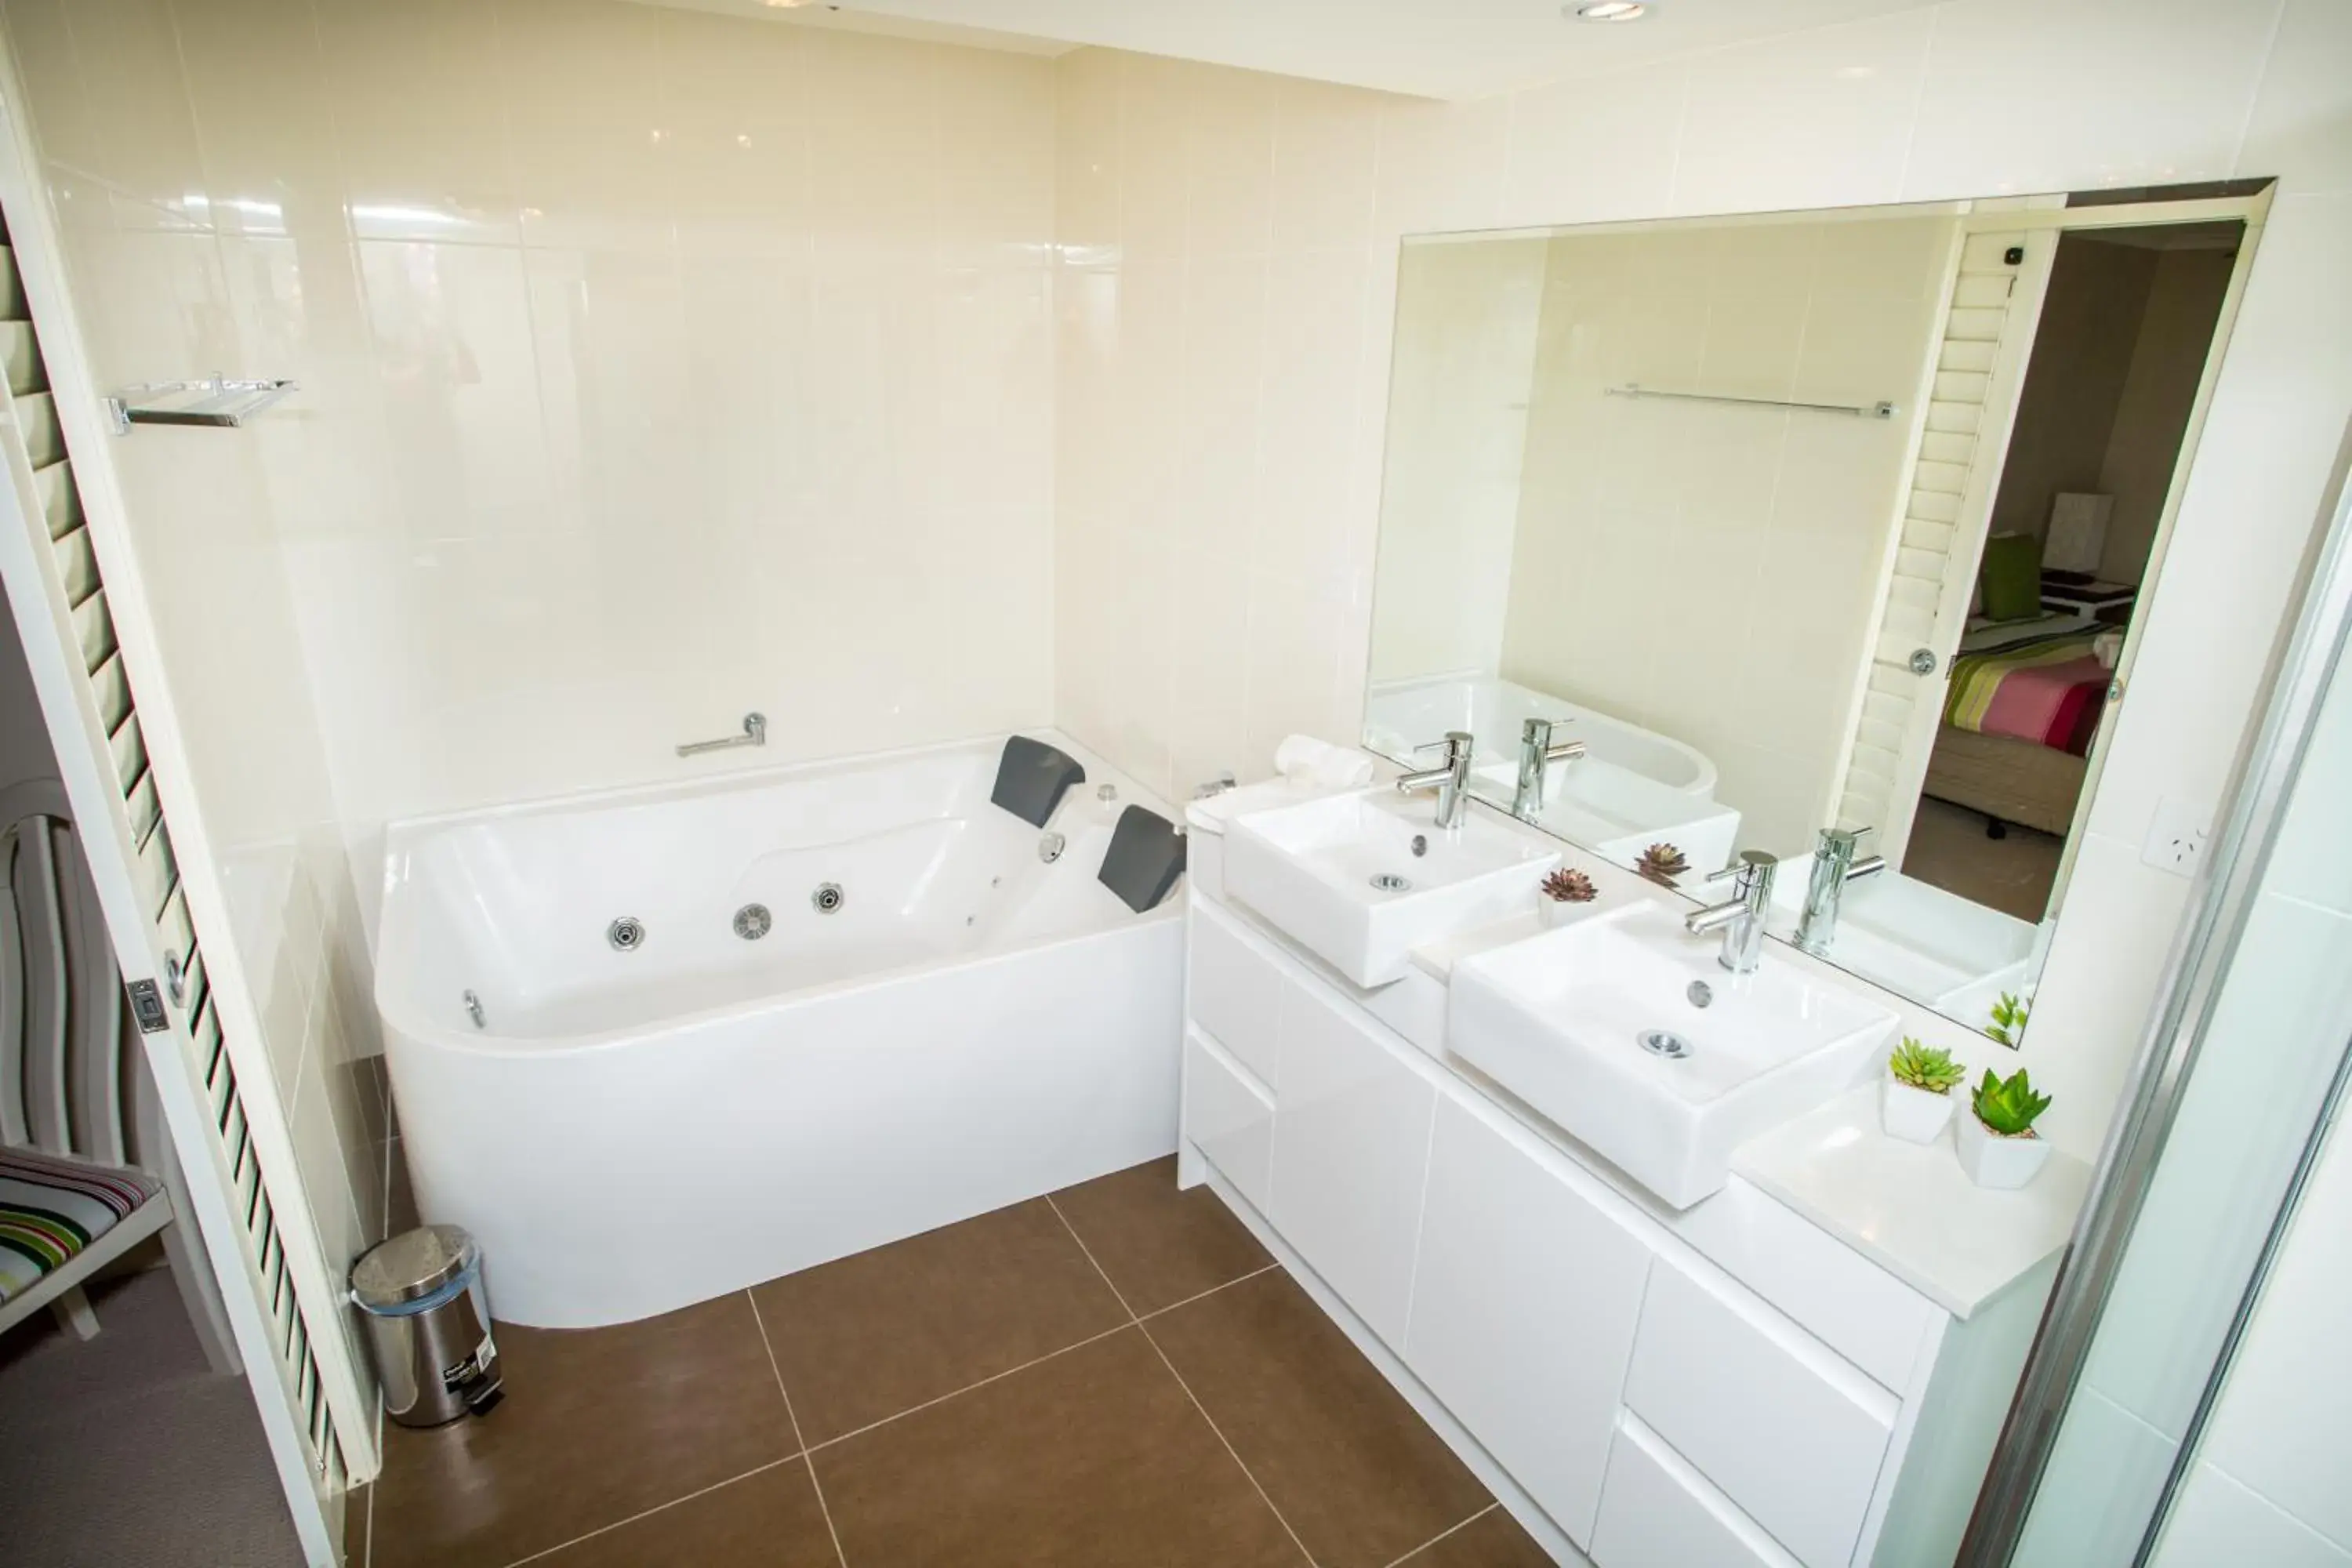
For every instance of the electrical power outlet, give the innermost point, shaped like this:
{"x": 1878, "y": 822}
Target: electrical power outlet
{"x": 2175, "y": 836}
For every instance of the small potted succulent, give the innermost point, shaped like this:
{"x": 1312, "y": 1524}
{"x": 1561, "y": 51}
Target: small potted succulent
{"x": 1564, "y": 895}
{"x": 1915, "y": 1098}
{"x": 1998, "y": 1145}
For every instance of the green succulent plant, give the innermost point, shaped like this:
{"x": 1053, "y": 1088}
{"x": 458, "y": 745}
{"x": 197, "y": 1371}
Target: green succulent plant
{"x": 2008, "y": 1106}
{"x": 1930, "y": 1068}
{"x": 2008, "y": 1015}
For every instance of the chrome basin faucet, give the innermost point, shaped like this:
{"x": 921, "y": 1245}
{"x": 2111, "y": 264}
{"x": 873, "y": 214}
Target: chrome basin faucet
{"x": 1834, "y": 866}
{"x": 1450, "y": 782}
{"x": 1741, "y": 918}
{"x": 1538, "y": 752}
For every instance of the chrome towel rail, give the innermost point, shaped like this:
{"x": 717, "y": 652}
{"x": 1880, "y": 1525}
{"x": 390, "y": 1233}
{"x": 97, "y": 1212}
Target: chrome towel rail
{"x": 755, "y": 733}
{"x": 218, "y": 402}
{"x": 1861, "y": 410}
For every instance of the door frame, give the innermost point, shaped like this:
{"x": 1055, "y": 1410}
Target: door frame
{"x": 2039, "y": 217}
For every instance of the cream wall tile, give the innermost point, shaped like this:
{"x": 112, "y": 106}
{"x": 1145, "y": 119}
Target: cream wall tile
{"x": 1230, "y": 164}
{"x": 1596, "y": 148}
{"x": 1816, "y": 119}
{"x": 2216, "y": 1519}
{"x": 2228, "y": 1157}
{"x": 264, "y": 112}
{"x": 2113, "y": 1468}
{"x": 2253, "y": 498}
{"x": 2301, "y": 129}
{"x": 1442, "y": 165}
{"x": 1155, "y": 114}
{"x": 1085, "y": 154}
{"x": 1312, "y": 379}
{"x": 148, "y": 153}
{"x": 585, "y": 112}
{"x": 1325, "y": 144}
{"x": 420, "y": 111}
{"x": 2023, "y": 96}
{"x": 735, "y": 107}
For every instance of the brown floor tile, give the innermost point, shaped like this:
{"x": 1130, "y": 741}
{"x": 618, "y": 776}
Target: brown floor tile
{"x": 355, "y": 1506}
{"x": 866, "y": 1337}
{"x": 1493, "y": 1540}
{"x": 1093, "y": 1460}
{"x": 597, "y": 1425}
{"x": 1159, "y": 1245}
{"x": 772, "y": 1519}
{"x": 1355, "y": 1472}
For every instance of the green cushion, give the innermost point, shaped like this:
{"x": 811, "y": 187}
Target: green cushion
{"x": 2010, "y": 580}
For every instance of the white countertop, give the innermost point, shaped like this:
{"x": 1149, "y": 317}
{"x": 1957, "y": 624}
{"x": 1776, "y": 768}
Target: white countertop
{"x": 1909, "y": 1208}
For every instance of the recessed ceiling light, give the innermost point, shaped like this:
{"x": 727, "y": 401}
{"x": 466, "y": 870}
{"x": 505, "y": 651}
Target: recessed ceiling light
{"x": 1609, "y": 11}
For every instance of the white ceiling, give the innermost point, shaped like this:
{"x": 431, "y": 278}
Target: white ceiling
{"x": 1434, "y": 48}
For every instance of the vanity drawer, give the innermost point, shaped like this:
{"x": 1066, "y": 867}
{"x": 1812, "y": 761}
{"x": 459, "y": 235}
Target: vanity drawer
{"x": 1233, "y": 990}
{"x": 1658, "y": 1512}
{"x": 1229, "y": 1117}
{"x": 1789, "y": 1432}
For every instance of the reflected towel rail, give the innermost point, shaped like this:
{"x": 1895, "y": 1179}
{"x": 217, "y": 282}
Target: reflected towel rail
{"x": 1860, "y": 410}
{"x": 755, "y": 733}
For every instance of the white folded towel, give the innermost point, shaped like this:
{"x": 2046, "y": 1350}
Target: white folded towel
{"x": 1305, "y": 760}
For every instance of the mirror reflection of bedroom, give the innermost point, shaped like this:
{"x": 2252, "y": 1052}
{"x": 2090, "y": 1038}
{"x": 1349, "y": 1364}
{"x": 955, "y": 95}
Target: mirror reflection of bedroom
{"x": 2072, "y": 545}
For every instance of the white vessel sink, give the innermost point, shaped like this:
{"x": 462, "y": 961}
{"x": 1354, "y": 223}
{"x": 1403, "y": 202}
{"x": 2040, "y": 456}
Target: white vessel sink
{"x": 1341, "y": 877}
{"x": 1561, "y": 1020}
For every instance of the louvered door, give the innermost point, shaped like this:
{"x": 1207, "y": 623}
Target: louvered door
{"x": 227, "y": 1126}
{"x": 1980, "y": 359}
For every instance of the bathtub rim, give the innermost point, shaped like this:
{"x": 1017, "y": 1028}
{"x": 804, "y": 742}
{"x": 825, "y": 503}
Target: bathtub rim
{"x": 398, "y": 1018}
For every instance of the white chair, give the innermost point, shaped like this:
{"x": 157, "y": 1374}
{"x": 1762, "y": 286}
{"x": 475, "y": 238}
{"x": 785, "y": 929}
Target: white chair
{"x": 72, "y": 1199}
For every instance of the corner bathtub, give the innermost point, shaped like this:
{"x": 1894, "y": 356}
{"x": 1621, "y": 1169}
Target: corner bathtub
{"x": 630, "y": 1132}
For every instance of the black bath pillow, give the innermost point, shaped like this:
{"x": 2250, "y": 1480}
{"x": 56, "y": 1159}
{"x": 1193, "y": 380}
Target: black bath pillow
{"x": 1145, "y": 858}
{"x": 1032, "y": 777}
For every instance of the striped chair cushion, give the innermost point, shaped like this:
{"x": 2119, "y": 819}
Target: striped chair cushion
{"x": 51, "y": 1207}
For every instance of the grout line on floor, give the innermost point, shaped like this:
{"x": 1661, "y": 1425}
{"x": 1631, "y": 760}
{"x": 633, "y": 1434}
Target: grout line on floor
{"x": 967, "y": 1388}
{"x": 648, "y": 1513}
{"x": 1442, "y": 1534}
{"x": 1216, "y": 1430}
{"x": 798, "y": 1440}
{"x": 1205, "y": 1295}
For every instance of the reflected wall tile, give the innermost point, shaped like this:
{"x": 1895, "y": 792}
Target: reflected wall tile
{"x": 592, "y": 162}
{"x": 420, "y": 109}
{"x": 2112, "y": 1468}
{"x": 1815, "y": 119}
{"x": 1595, "y": 148}
{"x": 2108, "y": 92}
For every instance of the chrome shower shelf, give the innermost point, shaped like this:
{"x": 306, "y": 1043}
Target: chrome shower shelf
{"x": 218, "y": 402}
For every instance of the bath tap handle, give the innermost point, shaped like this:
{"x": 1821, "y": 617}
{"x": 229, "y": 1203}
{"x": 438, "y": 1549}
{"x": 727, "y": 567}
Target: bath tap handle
{"x": 755, "y": 733}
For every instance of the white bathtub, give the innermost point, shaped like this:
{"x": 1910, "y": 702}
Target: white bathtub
{"x": 627, "y": 1132}
{"x": 1402, "y": 714}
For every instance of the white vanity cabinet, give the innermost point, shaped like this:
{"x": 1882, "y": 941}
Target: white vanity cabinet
{"x": 1727, "y": 1384}
{"x": 1523, "y": 1313}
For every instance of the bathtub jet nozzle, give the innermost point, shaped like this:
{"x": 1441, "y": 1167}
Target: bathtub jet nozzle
{"x": 1050, "y": 848}
{"x": 752, "y": 921}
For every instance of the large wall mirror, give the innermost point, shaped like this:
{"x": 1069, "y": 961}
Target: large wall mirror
{"x": 1823, "y": 534}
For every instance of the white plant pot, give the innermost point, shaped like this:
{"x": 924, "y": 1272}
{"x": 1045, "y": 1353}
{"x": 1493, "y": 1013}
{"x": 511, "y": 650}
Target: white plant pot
{"x": 1551, "y": 912}
{"x": 1913, "y": 1114}
{"x": 1993, "y": 1161}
